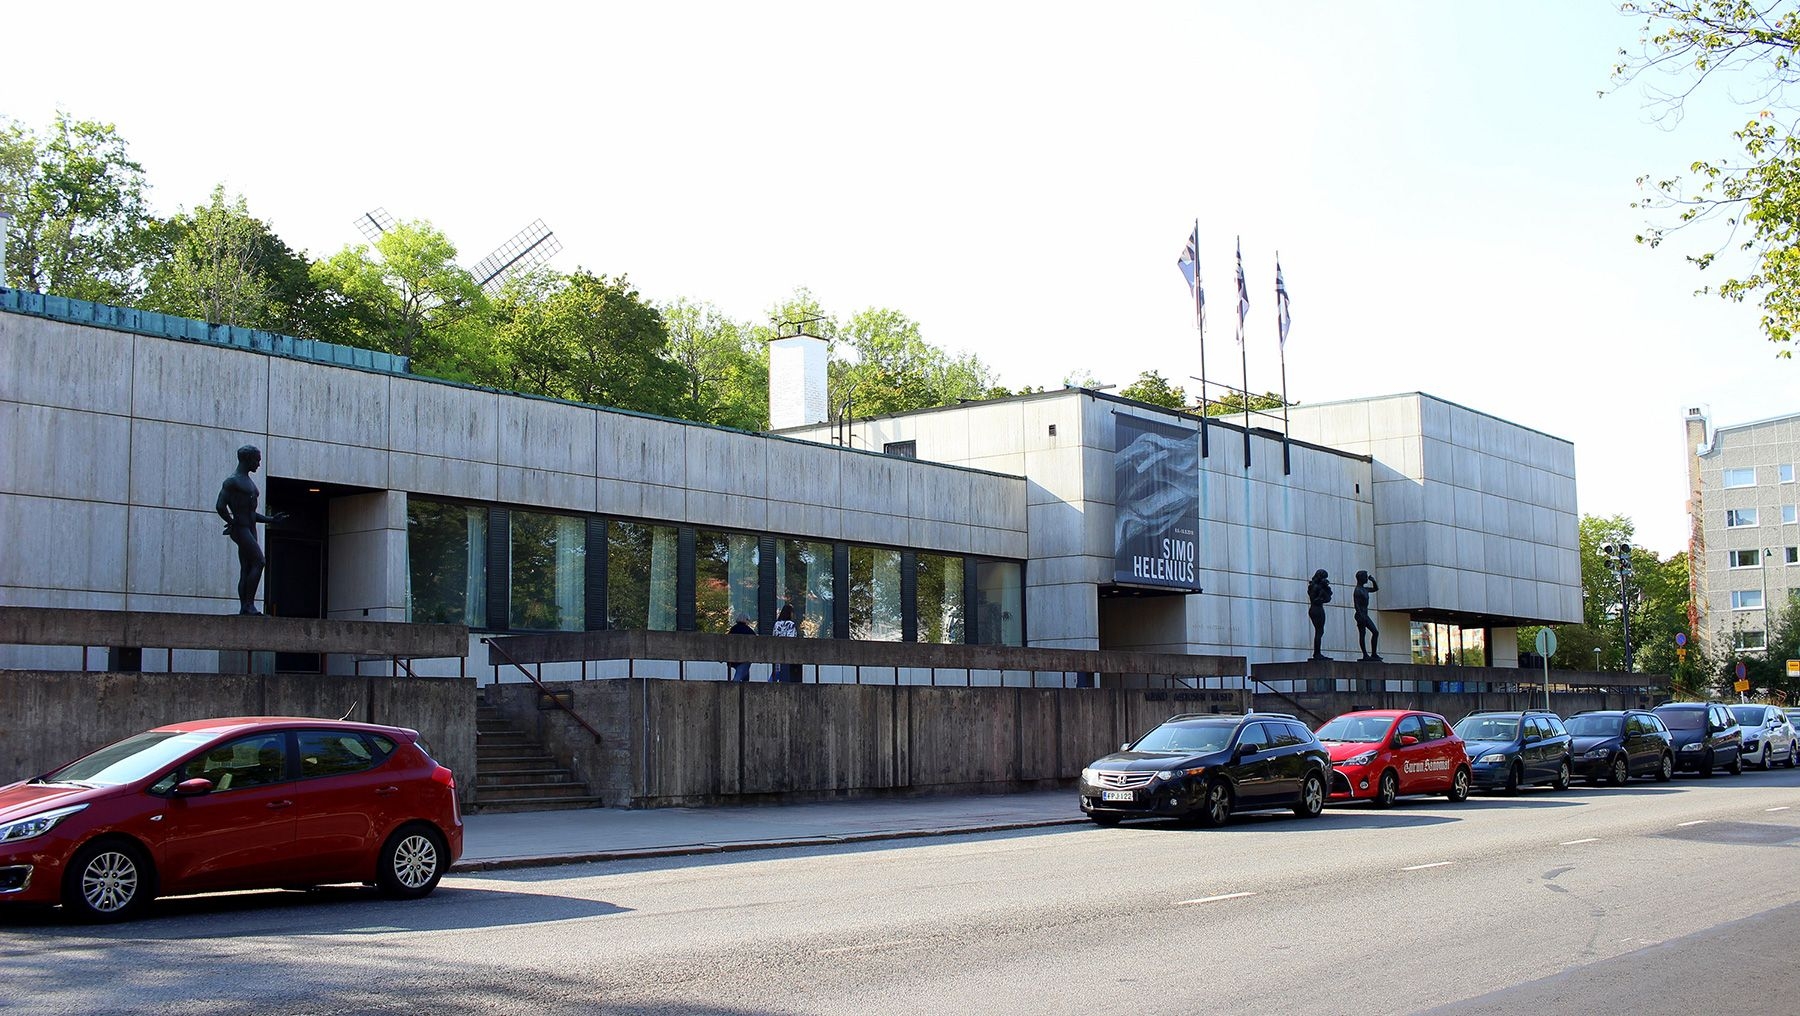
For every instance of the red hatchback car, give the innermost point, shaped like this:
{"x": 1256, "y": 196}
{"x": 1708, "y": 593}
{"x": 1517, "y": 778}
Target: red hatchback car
{"x": 1381, "y": 754}
{"x": 245, "y": 803}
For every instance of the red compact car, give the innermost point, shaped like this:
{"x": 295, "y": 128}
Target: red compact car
{"x": 1380, "y": 754}
{"x": 246, "y": 803}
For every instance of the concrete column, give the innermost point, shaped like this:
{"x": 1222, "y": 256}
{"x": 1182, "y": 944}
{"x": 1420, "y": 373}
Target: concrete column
{"x": 366, "y": 555}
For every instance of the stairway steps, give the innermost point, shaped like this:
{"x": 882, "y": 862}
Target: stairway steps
{"x": 515, "y": 773}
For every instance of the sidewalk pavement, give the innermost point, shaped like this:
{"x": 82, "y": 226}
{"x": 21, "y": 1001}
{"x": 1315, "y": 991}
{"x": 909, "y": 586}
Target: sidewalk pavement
{"x": 540, "y": 838}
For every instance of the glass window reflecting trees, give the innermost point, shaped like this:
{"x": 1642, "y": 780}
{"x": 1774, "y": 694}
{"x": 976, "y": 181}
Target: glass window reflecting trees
{"x": 938, "y": 593}
{"x": 875, "y": 607}
{"x": 641, "y": 564}
{"x": 725, "y": 579}
{"x": 804, "y": 578}
{"x": 446, "y": 566}
{"x": 548, "y": 577}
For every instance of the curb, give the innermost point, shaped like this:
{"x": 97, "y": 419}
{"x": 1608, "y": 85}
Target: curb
{"x": 737, "y": 846}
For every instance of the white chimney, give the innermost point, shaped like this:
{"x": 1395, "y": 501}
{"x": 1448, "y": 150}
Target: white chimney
{"x": 797, "y": 381}
{"x": 6, "y": 221}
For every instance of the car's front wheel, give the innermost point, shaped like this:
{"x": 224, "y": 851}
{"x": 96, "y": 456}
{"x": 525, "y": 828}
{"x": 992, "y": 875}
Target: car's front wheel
{"x": 1514, "y": 777}
{"x": 1736, "y": 768}
{"x": 1216, "y": 808}
{"x": 107, "y": 880}
{"x": 1621, "y": 771}
{"x": 1562, "y": 776}
{"x": 1794, "y": 754}
{"x": 1388, "y": 790}
{"x": 1312, "y": 797}
{"x": 1763, "y": 759}
{"x": 1665, "y": 771}
{"x": 1706, "y": 766}
{"x": 412, "y": 862}
{"x": 1459, "y": 786}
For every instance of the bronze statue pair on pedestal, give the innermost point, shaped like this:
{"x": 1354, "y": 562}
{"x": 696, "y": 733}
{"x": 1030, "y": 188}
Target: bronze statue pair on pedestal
{"x": 1318, "y": 593}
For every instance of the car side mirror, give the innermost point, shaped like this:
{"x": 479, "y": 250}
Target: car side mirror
{"x": 1125, "y": 746}
{"x": 194, "y": 787}
{"x": 1405, "y": 741}
{"x": 1245, "y": 749}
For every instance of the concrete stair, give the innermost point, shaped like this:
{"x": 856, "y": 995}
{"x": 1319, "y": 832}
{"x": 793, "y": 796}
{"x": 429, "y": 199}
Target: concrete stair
{"x": 515, "y": 773}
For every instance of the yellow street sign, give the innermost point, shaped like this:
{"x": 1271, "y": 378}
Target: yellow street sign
{"x": 1681, "y": 652}
{"x": 1742, "y": 685}
{"x": 1794, "y": 668}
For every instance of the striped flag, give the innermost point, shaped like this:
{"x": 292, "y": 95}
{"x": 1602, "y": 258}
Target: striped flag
{"x": 1189, "y": 263}
{"x": 1243, "y": 293}
{"x": 1282, "y": 318}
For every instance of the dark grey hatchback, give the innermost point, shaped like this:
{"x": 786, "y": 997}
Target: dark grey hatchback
{"x": 1204, "y": 767}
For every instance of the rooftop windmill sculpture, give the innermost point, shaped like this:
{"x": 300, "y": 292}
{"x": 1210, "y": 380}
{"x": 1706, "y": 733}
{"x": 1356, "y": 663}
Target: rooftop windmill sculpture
{"x": 529, "y": 248}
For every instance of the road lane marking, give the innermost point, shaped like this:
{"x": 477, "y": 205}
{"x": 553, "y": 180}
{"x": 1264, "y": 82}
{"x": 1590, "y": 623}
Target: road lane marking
{"x": 1422, "y": 867}
{"x": 1213, "y": 899}
{"x": 1698, "y": 821}
{"x": 1782, "y": 808}
{"x": 872, "y": 945}
{"x": 1570, "y": 843}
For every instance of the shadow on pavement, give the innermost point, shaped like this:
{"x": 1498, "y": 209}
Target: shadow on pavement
{"x": 332, "y": 910}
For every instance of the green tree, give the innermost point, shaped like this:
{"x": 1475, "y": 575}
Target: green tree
{"x": 1768, "y": 670}
{"x": 81, "y": 222}
{"x": 212, "y": 269}
{"x": 725, "y": 374}
{"x": 1657, "y": 597}
{"x": 583, "y": 337}
{"x": 893, "y": 369}
{"x": 1748, "y": 48}
{"x": 407, "y": 295}
{"x": 1155, "y": 389}
{"x": 1232, "y": 402}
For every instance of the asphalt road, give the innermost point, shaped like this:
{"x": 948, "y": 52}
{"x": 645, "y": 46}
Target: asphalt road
{"x": 1680, "y": 898}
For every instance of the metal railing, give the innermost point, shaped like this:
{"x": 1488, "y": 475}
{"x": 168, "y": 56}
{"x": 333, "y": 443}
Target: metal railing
{"x": 545, "y": 692}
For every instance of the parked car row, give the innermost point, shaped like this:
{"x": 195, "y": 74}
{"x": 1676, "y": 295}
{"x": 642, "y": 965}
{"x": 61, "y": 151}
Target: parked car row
{"x": 245, "y": 803}
{"x": 1204, "y": 767}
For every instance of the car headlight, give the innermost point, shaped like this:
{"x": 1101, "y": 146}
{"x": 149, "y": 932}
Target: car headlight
{"x": 1090, "y": 776}
{"x": 1598, "y": 753}
{"x": 36, "y": 825}
{"x": 1359, "y": 760}
{"x": 1176, "y": 774}
{"x": 1493, "y": 759}
{"x": 1690, "y": 747}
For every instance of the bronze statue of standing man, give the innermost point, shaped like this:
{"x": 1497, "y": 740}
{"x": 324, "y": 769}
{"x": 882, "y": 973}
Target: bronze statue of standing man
{"x": 1365, "y": 584}
{"x": 1318, "y": 594}
{"x": 237, "y": 506}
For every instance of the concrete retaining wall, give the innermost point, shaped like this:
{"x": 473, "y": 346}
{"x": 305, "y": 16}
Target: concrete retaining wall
{"x": 671, "y": 743}
{"x": 51, "y": 717}
{"x": 1316, "y": 707}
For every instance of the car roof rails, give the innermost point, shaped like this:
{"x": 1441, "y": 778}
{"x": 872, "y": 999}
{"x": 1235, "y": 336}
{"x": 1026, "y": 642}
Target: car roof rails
{"x": 1279, "y": 716}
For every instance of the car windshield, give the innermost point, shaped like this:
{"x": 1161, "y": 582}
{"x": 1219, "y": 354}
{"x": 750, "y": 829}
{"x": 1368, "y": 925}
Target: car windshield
{"x": 1488, "y": 728}
{"x": 132, "y": 759}
{"x": 1356, "y": 729}
{"x": 1187, "y": 738}
{"x": 1595, "y": 726}
{"x": 1683, "y": 719}
{"x": 1750, "y": 716}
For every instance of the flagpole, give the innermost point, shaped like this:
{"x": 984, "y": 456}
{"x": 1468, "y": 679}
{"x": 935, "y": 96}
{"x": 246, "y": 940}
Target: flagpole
{"x": 1200, "y": 326}
{"x": 1287, "y": 464}
{"x": 1243, "y": 353}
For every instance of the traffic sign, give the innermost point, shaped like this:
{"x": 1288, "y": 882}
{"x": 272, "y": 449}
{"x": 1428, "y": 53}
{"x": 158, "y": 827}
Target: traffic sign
{"x": 1546, "y": 642}
{"x": 1793, "y": 668}
{"x": 1681, "y": 652}
{"x": 1742, "y": 686}
{"x": 1681, "y": 638}
{"x": 1740, "y": 670}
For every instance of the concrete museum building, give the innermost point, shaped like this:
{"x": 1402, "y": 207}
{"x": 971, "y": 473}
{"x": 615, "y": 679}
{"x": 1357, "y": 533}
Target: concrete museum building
{"x": 1071, "y": 519}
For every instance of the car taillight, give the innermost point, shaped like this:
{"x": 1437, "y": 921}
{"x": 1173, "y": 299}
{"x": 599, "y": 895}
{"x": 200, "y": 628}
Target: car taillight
{"x": 444, "y": 776}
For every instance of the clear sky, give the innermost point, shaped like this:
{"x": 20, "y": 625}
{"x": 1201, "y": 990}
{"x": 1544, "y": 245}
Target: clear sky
{"x": 1449, "y": 195}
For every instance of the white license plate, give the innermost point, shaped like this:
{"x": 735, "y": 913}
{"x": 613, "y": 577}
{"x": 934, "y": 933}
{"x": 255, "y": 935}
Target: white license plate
{"x": 1118, "y": 795}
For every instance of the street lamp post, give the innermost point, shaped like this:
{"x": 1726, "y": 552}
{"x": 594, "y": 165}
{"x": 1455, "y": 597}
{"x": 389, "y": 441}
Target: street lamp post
{"x": 1617, "y": 557}
{"x": 1596, "y": 658}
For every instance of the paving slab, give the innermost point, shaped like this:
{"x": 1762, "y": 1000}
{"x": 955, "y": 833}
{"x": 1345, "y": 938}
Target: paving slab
{"x": 538, "y": 838}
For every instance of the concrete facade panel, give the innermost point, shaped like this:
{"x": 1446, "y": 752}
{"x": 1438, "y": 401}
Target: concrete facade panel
{"x": 208, "y": 386}
{"x": 72, "y": 367}
{"x": 67, "y": 453}
{"x": 312, "y": 402}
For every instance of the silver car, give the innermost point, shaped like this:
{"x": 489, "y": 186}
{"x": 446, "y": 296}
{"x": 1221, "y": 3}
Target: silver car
{"x": 1769, "y": 737}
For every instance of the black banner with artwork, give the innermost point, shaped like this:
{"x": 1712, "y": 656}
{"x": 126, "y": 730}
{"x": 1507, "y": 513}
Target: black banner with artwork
{"x": 1156, "y": 532}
